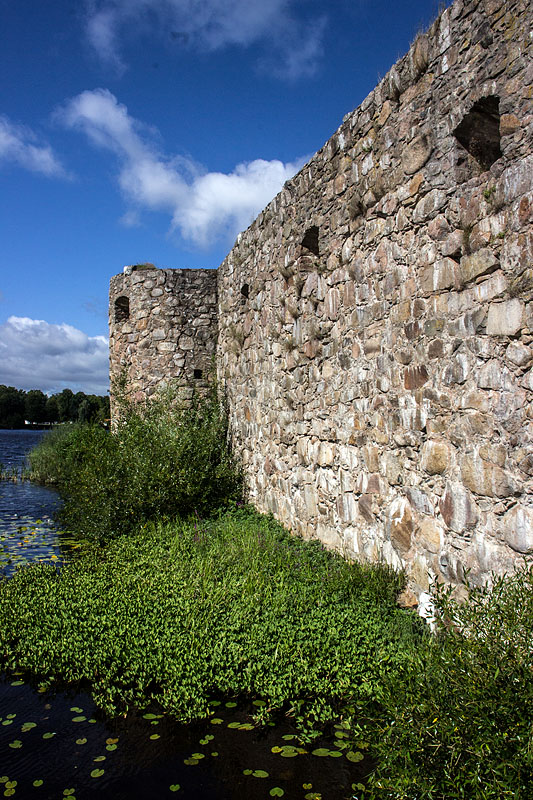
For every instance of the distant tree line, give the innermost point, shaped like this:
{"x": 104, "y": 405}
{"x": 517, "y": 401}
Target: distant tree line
{"x": 18, "y": 406}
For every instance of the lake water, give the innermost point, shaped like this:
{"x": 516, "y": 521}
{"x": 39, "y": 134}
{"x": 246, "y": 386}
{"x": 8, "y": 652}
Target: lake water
{"x": 56, "y": 745}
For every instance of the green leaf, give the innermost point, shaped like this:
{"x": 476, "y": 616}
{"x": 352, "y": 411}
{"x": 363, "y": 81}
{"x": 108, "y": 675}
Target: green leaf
{"x": 276, "y": 792}
{"x": 97, "y": 773}
{"x": 174, "y": 787}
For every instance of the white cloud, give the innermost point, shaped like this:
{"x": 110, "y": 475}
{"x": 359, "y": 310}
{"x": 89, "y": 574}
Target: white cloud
{"x": 209, "y": 25}
{"x": 35, "y": 354}
{"x": 18, "y": 145}
{"x": 203, "y": 205}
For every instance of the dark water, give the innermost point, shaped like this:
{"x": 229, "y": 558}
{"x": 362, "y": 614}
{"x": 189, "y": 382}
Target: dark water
{"x": 27, "y": 530}
{"x": 56, "y": 745}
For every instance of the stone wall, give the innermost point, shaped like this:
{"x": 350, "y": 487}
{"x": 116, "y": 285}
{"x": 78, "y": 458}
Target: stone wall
{"x": 375, "y": 320}
{"x": 163, "y": 328}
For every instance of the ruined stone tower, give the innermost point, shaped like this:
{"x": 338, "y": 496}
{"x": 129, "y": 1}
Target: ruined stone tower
{"x": 375, "y": 323}
{"x": 163, "y": 327}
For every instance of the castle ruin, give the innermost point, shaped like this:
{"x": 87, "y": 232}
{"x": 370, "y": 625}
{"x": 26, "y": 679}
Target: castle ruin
{"x": 373, "y": 328}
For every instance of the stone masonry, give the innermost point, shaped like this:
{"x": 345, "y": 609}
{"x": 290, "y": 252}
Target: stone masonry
{"x": 375, "y": 322}
{"x": 163, "y": 327}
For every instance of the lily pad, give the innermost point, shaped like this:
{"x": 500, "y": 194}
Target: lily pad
{"x": 28, "y": 726}
{"x": 99, "y": 758}
{"x": 38, "y": 782}
{"x": 260, "y": 773}
{"x": 174, "y": 787}
{"x": 354, "y": 756}
{"x": 155, "y": 736}
{"x": 48, "y": 735}
{"x": 97, "y": 773}
{"x": 16, "y": 744}
{"x": 81, "y": 741}
{"x": 79, "y": 719}
{"x": 276, "y": 792}
{"x": 321, "y": 752}
{"x": 216, "y": 721}
{"x": 77, "y": 710}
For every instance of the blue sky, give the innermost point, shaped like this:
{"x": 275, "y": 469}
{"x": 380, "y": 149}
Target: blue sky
{"x": 155, "y": 130}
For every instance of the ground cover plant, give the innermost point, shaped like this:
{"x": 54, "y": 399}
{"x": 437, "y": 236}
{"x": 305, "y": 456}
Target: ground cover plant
{"x": 162, "y": 459}
{"x": 179, "y": 613}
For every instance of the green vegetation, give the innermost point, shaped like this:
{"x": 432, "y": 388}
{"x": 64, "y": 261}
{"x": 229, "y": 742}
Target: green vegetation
{"x": 179, "y": 613}
{"x": 16, "y": 406}
{"x": 161, "y": 460}
{"x": 184, "y": 610}
{"x": 457, "y": 717}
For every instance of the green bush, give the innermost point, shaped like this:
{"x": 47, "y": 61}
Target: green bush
{"x": 56, "y": 455}
{"x": 161, "y": 460}
{"x": 181, "y": 613}
{"x": 457, "y": 718}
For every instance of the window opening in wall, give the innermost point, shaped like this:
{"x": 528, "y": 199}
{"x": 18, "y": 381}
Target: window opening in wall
{"x": 479, "y": 131}
{"x": 310, "y": 240}
{"x": 122, "y": 309}
{"x": 245, "y": 291}
{"x": 197, "y": 373}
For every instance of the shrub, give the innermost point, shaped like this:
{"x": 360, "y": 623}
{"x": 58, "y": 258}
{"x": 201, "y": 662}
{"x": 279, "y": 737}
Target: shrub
{"x": 162, "y": 459}
{"x": 457, "y": 718}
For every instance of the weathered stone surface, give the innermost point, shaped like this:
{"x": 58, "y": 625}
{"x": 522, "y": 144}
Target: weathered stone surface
{"x": 373, "y": 328}
{"x": 480, "y": 263}
{"x": 436, "y": 457}
{"x": 400, "y": 525}
{"x": 485, "y": 478}
{"x": 430, "y": 535}
{"x": 505, "y": 319}
{"x": 518, "y": 529}
{"x": 458, "y": 509}
{"x": 416, "y": 154}
{"x": 519, "y": 354}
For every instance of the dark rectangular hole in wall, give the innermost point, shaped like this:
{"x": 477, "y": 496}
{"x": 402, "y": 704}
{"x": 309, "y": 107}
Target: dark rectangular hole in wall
{"x": 479, "y": 131}
{"x": 198, "y": 373}
{"x": 122, "y": 309}
{"x": 310, "y": 240}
